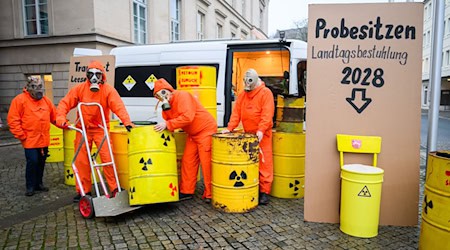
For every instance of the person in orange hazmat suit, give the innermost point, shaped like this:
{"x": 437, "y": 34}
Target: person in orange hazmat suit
{"x": 255, "y": 108}
{"x": 29, "y": 119}
{"x": 95, "y": 90}
{"x": 181, "y": 110}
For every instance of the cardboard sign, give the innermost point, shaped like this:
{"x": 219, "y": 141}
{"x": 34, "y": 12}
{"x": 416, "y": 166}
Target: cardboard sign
{"x": 77, "y": 73}
{"x": 364, "y": 78}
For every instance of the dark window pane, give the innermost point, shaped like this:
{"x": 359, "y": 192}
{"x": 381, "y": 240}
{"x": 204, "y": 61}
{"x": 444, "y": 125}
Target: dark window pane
{"x": 29, "y": 1}
{"x": 43, "y": 1}
{"x": 43, "y": 14}
{"x": 31, "y": 28}
{"x": 44, "y": 26}
{"x": 30, "y": 13}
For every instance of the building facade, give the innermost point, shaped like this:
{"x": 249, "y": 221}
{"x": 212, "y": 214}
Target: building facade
{"x": 38, "y": 37}
{"x": 426, "y": 55}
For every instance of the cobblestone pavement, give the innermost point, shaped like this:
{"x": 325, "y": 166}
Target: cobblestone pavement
{"x": 50, "y": 221}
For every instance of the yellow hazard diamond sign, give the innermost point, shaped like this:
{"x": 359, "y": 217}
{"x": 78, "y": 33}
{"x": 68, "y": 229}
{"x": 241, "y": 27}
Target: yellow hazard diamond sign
{"x": 129, "y": 82}
{"x": 151, "y": 81}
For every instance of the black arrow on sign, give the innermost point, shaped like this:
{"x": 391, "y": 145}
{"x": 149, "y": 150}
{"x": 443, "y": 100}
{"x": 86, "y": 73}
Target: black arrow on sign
{"x": 363, "y": 98}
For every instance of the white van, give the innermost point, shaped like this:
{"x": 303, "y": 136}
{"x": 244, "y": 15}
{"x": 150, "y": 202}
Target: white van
{"x": 280, "y": 64}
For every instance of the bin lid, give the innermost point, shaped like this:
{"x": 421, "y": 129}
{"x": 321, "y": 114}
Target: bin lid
{"x": 360, "y": 168}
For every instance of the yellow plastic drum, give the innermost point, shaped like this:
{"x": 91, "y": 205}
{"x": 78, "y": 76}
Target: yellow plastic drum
{"x": 235, "y": 172}
{"x": 435, "y": 227}
{"x": 152, "y": 165}
{"x": 288, "y": 165}
{"x": 200, "y": 81}
{"x": 119, "y": 140}
{"x": 56, "y": 147}
{"x": 360, "y": 200}
{"x": 290, "y": 114}
{"x": 69, "y": 139}
{"x": 180, "y": 141}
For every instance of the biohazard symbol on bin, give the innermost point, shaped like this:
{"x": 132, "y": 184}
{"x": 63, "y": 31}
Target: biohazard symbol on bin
{"x": 235, "y": 176}
{"x": 427, "y": 204}
{"x": 364, "y": 192}
{"x": 69, "y": 174}
{"x": 166, "y": 139}
{"x": 148, "y": 162}
{"x": 173, "y": 188}
{"x": 295, "y": 186}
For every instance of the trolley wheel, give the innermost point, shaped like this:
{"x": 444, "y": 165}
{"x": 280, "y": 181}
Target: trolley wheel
{"x": 86, "y": 207}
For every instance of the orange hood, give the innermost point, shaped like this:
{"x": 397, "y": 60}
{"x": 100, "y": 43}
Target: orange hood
{"x": 98, "y": 65}
{"x": 161, "y": 83}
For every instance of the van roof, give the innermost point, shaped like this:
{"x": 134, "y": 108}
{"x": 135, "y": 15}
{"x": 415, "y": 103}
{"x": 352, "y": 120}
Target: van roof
{"x": 201, "y": 45}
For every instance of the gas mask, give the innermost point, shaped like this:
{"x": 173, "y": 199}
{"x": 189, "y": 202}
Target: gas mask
{"x": 164, "y": 96}
{"x": 251, "y": 80}
{"x": 95, "y": 77}
{"x": 35, "y": 87}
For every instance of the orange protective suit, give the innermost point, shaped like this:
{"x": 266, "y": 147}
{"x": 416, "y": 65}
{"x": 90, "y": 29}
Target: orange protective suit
{"x": 256, "y": 109}
{"x": 29, "y": 120}
{"x": 188, "y": 114}
{"x": 109, "y": 99}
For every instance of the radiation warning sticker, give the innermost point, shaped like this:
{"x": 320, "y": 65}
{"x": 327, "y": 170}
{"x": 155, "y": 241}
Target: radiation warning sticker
{"x": 364, "y": 192}
{"x": 129, "y": 82}
{"x": 151, "y": 81}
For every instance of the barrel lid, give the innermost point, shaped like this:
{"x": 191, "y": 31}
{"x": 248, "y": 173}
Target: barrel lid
{"x": 360, "y": 168}
{"x": 141, "y": 123}
{"x": 234, "y": 135}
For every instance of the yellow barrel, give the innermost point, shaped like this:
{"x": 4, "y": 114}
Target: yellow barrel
{"x": 360, "y": 200}
{"x": 69, "y": 139}
{"x": 152, "y": 165}
{"x": 119, "y": 140}
{"x": 200, "y": 81}
{"x": 435, "y": 227}
{"x": 114, "y": 124}
{"x": 290, "y": 114}
{"x": 56, "y": 147}
{"x": 288, "y": 165}
{"x": 235, "y": 172}
{"x": 180, "y": 141}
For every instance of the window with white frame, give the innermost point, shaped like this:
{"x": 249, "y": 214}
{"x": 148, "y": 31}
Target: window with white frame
{"x": 140, "y": 21}
{"x": 35, "y": 17}
{"x": 219, "y": 30}
{"x": 447, "y": 57}
{"x": 175, "y": 20}
{"x": 200, "y": 25}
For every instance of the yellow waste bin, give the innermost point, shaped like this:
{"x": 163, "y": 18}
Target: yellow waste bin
{"x": 360, "y": 200}
{"x": 435, "y": 227}
{"x": 56, "y": 147}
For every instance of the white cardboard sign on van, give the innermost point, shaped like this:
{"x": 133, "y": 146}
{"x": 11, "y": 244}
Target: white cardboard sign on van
{"x": 151, "y": 82}
{"x": 129, "y": 82}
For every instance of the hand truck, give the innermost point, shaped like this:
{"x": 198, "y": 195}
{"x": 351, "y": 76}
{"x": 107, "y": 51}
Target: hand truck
{"x": 107, "y": 204}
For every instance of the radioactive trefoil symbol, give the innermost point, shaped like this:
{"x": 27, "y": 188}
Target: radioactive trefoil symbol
{"x": 148, "y": 162}
{"x": 295, "y": 187}
{"x": 69, "y": 174}
{"x": 364, "y": 192}
{"x": 173, "y": 189}
{"x": 166, "y": 139}
{"x": 427, "y": 204}
{"x": 132, "y": 190}
{"x": 235, "y": 176}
